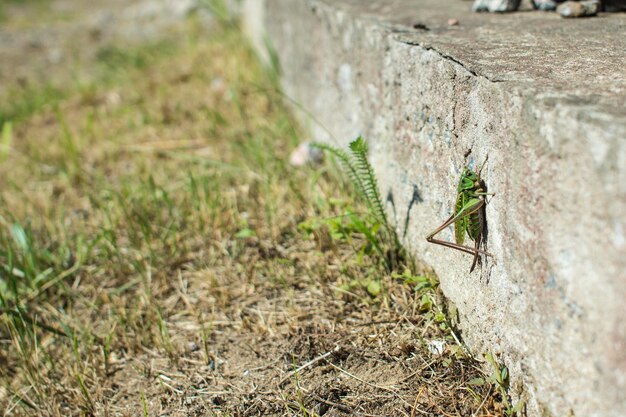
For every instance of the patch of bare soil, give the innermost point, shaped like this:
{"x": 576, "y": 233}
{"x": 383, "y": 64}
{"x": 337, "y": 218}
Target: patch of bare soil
{"x": 294, "y": 347}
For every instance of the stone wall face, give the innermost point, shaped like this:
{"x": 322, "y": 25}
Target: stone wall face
{"x": 552, "y": 299}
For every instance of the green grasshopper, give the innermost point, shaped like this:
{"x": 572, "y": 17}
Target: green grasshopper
{"x": 468, "y": 216}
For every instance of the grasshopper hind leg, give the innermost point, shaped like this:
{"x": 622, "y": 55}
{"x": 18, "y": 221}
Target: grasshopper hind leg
{"x": 477, "y": 259}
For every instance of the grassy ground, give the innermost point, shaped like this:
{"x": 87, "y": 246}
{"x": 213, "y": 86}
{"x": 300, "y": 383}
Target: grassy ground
{"x": 159, "y": 256}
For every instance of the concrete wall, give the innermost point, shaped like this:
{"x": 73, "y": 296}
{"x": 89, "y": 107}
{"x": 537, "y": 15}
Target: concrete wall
{"x": 545, "y": 100}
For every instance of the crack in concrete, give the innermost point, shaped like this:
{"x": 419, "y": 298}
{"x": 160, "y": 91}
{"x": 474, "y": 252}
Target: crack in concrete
{"x": 448, "y": 57}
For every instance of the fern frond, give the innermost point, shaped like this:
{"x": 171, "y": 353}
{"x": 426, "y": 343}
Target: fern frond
{"x": 368, "y": 179}
{"x": 348, "y": 164}
{"x": 361, "y": 175}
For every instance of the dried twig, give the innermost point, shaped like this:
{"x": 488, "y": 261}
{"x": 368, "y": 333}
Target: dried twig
{"x": 394, "y": 392}
{"x": 415, "y": 402}
{"x": 306, "y": 365}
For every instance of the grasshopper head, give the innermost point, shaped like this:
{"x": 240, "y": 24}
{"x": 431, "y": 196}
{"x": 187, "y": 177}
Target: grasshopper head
{"x": 469, "y": 180}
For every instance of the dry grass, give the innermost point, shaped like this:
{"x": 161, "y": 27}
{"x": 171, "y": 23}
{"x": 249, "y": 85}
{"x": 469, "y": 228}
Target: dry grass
{"x": 158, "y": 256}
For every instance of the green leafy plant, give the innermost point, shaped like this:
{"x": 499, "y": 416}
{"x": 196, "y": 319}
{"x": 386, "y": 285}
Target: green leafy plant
{"x": 500, "y": 378}
{"x": 374, "y": 225}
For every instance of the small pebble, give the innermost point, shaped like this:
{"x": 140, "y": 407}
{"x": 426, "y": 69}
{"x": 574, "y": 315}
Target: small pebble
{"x": 436, "y": 347}
{"x": 497, "y": 6}
{"x": 545, "y": 5}
{"x": 578, "y": 9}
{"x": 453, "y": 22}
{"x": 306, "y": 154}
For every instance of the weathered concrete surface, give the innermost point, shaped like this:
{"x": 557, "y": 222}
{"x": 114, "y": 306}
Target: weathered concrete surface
{"x": 545, "y": 99}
